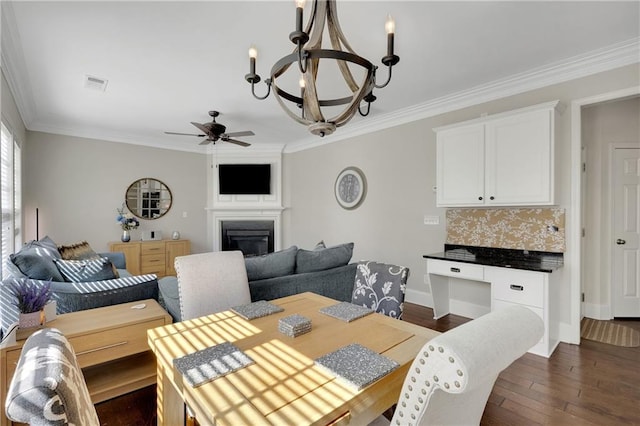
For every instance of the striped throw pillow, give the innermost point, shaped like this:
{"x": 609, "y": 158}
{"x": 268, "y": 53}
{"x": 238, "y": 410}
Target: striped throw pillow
{"x": 86, "y": 270}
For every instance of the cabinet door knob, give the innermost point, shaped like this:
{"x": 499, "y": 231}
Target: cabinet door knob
{"x": 480, "y": 198}
{"x": 492, "y": 198}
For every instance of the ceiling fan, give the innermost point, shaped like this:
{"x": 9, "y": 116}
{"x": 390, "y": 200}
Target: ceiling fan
{"x": 214, "y": 131}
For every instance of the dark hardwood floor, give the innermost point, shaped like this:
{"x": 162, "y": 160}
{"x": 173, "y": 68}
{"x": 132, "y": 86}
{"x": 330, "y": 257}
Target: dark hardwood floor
{"x": 589, "y": 384}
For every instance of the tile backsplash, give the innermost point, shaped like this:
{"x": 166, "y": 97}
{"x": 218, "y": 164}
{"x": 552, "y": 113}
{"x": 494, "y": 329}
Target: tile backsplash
{"x": 538, "y": 229}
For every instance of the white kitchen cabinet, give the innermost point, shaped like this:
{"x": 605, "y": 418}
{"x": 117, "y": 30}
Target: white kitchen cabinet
{"x": 500, "y": 160}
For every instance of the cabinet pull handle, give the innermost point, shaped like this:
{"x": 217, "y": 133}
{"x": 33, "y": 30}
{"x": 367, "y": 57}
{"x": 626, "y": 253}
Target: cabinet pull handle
{"x": 455, "y": 269}
{"x": 101, "y": 348}
{"x": 516, "y": 287}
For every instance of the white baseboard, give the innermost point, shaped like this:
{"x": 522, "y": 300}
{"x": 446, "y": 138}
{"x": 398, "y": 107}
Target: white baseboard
{"x": 599, "y": 312}
{"x": 457, "y": 307}
{"x": 419, "y": 297}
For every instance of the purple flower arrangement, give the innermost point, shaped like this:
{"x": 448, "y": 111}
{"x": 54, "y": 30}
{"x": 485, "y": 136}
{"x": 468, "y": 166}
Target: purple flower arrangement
{"x": 30, "y": 297}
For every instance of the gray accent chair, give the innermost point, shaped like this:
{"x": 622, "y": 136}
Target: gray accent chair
{"x": 381, "y": 287}
{"x": 48, "y": 387}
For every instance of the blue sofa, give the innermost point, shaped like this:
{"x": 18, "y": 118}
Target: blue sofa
{"x": 324, "y": 270}
{"x": 36, "y": 261}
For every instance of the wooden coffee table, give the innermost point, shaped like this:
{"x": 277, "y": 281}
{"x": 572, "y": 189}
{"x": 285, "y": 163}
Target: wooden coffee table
{"x": 110, "y": 344}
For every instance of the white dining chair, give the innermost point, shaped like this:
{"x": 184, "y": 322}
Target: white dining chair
{"x": 211, "y": 282}
{"x": 452, "y": 376}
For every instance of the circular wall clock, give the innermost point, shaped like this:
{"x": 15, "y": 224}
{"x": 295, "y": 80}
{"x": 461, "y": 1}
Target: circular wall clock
{"x": 350, "y": 188}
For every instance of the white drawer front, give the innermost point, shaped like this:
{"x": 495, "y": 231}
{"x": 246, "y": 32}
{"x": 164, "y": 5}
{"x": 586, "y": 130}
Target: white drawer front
{"x": 522, "y": 287}
{"x": 455, "y": 269}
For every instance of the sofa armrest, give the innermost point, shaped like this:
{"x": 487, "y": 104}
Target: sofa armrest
{"x": 73, "y": 296}
{"x": 117, "y": 258}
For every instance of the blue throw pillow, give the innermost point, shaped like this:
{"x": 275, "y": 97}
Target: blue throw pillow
{"x": 79, "y": 271}
{"x": 277, "y": 264}
{"x": 36, "y": 260}
{"x": 320, "y": 259}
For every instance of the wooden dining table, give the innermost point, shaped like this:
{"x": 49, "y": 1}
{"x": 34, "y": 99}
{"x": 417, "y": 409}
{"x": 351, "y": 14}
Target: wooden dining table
{"x": 283, "y": 386}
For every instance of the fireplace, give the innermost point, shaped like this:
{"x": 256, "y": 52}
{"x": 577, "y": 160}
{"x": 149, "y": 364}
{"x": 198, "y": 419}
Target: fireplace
{"x": 252, "y": 237}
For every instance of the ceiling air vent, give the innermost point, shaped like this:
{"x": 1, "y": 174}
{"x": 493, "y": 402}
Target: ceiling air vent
{"x": 95, "y": 83}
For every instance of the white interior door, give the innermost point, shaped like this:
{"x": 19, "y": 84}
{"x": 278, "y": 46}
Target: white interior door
{"x": 626, "y": 233}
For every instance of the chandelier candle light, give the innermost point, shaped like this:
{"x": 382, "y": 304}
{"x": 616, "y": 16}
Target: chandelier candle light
{"x": 307, "y": 54}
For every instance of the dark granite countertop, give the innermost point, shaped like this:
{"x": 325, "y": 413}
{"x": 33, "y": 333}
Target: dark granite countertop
{"x": 539, "y": 261}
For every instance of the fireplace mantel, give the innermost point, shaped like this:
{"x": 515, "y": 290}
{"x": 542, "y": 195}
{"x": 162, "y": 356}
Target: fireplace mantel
{"x": 244, "y": 207}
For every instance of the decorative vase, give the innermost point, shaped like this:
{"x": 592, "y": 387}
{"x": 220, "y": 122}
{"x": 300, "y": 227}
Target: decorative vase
{"x": 126, "y": 236}
{"x": 32, "y": 319}
{"x": 175, "y": 235}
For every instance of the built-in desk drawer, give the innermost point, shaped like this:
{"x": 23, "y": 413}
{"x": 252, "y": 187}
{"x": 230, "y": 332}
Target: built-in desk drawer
{"x": 455, "y": 269}
{"x": 522, "y": 287}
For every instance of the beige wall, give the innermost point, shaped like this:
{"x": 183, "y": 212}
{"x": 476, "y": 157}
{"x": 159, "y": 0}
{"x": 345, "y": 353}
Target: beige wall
{"x": 78, "y": 183}
{"x": 603, "y": 126}
{"x": 399, "y": 164}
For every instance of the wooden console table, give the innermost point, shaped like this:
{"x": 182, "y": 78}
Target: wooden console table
{"x": 110, "y": 344}
{"x": 152, "y": 257}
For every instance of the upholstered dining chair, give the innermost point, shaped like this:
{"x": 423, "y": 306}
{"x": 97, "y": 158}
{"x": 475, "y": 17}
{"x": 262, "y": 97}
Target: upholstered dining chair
{"x": 452, "y": 376}
{"x": 48, "y": 387}
{"x": 211, "y": 282}
{"x": 381, "y": 287}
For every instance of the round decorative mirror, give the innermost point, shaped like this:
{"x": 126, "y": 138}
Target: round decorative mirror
{"x": 148, "y": 198}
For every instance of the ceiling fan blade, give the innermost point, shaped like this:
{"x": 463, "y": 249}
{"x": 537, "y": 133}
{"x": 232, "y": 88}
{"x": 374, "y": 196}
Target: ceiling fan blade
{"x": 205, "y": 142}
{"x": 184, "y": 134}
{"x": 201, "y": 127}
{"x": 237, "y": 142}
{"x": 236, "y": 134}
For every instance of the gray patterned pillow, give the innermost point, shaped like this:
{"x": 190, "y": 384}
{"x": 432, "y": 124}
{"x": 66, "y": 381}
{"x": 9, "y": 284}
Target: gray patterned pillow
{"x": 381, "y": 287}
{"x": 36, "y": 260}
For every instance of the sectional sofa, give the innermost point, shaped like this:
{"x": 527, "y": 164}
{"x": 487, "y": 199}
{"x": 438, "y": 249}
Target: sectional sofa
{"x": 80, "y": 278}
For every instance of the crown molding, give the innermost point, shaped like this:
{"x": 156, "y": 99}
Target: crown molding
{"x": 13, "y": 65}
{"x": 605, "y": 59}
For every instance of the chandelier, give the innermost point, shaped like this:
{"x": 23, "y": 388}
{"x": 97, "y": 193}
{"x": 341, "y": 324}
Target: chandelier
{"x": 308, "y": 107}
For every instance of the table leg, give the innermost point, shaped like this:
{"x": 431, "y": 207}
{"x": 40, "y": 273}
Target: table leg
{"x": 169, "y": 401}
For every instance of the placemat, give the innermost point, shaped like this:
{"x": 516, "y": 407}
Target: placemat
{"x": 346, "y": 311}
{"x": 258, "y": 309}
{"x": 357, "y": 365}
{"x": 210, "y": 363}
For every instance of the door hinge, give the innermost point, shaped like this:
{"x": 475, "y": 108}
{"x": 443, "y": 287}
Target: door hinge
{"x": 583, "y": 233}
{"x": 584, "y": 167}
{"x": 582, "y": 297}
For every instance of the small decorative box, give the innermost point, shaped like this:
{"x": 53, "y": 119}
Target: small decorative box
{"x": 294, "y": 325}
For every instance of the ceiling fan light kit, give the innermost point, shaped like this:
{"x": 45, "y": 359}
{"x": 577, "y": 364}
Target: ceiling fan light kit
{"x": 307, "y": 107}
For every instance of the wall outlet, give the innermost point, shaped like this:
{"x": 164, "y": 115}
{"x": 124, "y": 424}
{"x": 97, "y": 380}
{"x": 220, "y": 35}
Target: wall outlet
{"x": 431, "y": 220}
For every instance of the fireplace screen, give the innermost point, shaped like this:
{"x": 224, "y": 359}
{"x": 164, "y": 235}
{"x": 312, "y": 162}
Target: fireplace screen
{"x": 253, "y": 238}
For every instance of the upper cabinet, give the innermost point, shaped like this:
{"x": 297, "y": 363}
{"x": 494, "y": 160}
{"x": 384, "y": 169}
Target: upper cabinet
{"x": 501, "y": 160}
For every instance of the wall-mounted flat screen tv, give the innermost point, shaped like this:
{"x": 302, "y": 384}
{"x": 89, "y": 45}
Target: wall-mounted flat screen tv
{"x": 244, "y": 179}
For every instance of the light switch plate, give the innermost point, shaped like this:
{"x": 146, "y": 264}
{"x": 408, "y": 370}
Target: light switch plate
{"x": 431, "y": 220}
